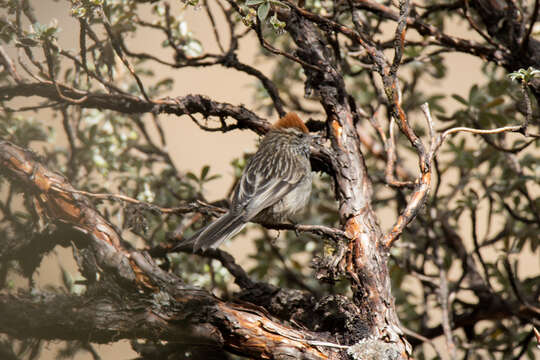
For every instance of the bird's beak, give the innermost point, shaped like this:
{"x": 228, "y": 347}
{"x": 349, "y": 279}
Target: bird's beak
{"x": 316, "y": 138}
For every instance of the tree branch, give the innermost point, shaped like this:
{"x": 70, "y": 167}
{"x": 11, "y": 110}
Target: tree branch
{"x": 364, "y": 262}
{"x": 129, "y": 104}
{"x": 188, "y": 316}
{"x": 162, "y": 299}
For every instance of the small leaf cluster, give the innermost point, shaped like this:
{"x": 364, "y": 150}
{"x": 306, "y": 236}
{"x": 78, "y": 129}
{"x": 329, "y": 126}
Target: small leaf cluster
{"x": 263, "y": 10}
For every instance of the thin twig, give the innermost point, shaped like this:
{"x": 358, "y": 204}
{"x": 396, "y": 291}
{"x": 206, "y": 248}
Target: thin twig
{"x": 399, "y": 40}
{"x": 477, "y": 246}
{"x": 528, "y": 107}
{"x": 418, "y": 336}
{"x": 50, "y": 64}
{"x": 108, "y": 85}
{"x": 213, "y": 23}
{"x": 265, "y": 44}
{"x": 537, "y": 335}
{"x": 197, "y": 206}
{"x": 321, "y": 230}
{"x": 422, "y": 186}
{"x": 514, "y": 128}
{"x": 116, "y": 43}
{"x": 534, "y": 17}
{"x": 489, "y": 39}
{"x": 8, "y": 64}
{"x": 231, "y": 60}
{"x": 514, "y": 283}
{"x": 445, "y": 306}
{"x": 200, "y": 206}
{"x": 50, "y": 104}
{"x": 391, "y": 158}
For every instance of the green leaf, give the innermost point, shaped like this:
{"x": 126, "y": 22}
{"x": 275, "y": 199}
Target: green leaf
{"x": 460, "y": 99}
{"x": 278, "y": 25}
{"x": 262, "y": 11}
{"x": 254, "y": 2}
{"x": 495, "y": 102}
{"x": 204, "y": 172}
{"x": 192, "y": 176}
{"x": 524, "y": 75}
{"x": 476, "y": 96}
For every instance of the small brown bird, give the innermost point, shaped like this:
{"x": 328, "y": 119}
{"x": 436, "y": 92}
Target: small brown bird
{"x": 276, "y": 183}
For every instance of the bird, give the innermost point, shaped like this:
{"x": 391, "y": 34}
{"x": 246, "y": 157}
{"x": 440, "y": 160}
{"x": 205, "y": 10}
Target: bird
{"x": 275, "y": 184}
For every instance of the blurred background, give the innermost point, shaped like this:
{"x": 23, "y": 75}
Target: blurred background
{"x": 190, "y": 147}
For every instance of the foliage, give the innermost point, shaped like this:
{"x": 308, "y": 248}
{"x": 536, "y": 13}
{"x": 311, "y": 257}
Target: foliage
{"x": 478, "y": 228}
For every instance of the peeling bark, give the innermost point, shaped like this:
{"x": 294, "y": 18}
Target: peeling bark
{"x": 135, "y": 298}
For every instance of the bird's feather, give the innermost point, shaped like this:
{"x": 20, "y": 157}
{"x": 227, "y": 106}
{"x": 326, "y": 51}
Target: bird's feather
{"x": 260, "y": 188}
{"x": 212, "y": 236}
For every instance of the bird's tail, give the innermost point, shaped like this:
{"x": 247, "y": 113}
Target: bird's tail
{"x": 213, "y": 235}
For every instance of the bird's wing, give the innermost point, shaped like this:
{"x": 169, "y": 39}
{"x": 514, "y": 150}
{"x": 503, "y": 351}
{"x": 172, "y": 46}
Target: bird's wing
{"x": 263, "y": 184}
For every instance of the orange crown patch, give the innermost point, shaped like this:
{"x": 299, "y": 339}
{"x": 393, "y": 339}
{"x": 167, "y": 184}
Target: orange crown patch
{"x": 291, "y": 120}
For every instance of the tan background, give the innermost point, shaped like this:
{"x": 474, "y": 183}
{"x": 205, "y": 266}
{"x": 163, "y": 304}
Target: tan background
{"x": 192, "y": 148}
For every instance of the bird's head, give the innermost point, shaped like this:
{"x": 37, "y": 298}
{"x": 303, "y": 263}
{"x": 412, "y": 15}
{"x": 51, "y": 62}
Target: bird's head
{"x": 297, "y": 133}
{"x": 292, "y": 124}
